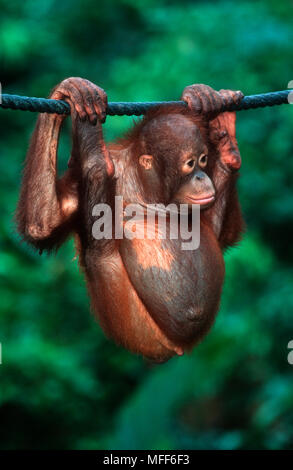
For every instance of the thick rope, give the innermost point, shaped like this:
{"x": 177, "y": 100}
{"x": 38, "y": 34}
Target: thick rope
{"x": 43, "y": 105}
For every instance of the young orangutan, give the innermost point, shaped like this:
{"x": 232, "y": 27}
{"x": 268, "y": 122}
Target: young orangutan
{"x": 149, "y": 295}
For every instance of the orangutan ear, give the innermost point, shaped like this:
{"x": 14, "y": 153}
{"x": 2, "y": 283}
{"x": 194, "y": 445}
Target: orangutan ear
{"x": 146, "y": 161}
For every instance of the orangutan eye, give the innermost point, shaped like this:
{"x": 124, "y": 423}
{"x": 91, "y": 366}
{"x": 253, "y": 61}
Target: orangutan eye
{"x": 203, "y": 161}
{"x": 190, "y": 163}
{"x": 188, "y": 166}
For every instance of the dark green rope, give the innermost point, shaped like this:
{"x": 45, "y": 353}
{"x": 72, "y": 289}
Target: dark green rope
{"x": 42, "y": 105}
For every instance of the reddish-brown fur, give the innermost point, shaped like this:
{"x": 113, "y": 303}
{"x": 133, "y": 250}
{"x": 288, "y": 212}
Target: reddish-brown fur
{"x": 149, "y": 295}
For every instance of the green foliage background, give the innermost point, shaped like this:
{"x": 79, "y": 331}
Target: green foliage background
{"x": 62, "y": 383}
